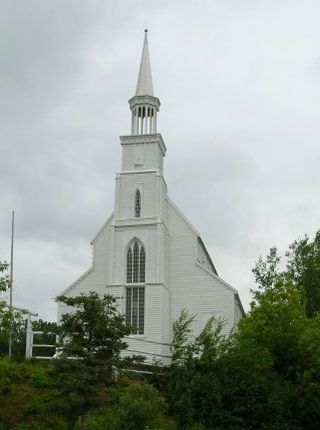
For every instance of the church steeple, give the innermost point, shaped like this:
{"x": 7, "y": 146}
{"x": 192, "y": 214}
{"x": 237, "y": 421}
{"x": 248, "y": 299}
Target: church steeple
{"x": 144, "y": 84}
{"x": 144, "y": 106}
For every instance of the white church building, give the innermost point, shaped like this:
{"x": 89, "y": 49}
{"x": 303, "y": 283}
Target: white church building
{"x": 147, "y": 254}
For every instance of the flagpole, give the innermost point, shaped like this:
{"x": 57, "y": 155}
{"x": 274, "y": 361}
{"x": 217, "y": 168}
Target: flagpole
{"x": 11, "y": 281}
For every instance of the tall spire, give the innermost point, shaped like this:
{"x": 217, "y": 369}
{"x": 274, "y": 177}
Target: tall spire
{"x": 144, "y": 105}
{"x": 144, "y": 84}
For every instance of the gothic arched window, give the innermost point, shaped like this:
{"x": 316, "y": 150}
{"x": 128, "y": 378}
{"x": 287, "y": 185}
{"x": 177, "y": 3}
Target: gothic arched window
{"x": 136, "y": 262}
{"x": 137, "y": 204}
{"x": 136, "y": 269}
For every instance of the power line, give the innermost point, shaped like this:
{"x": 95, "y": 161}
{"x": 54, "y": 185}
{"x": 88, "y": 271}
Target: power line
{"x": 149, "y": 341}
{"x": 149, "y": 353}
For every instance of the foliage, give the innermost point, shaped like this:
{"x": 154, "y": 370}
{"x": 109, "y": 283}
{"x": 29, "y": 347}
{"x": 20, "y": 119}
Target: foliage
{"x": 193, "y": 375}
{"x": 279, "y": 330}
{"x": 302, "y": 272}
{"x": 93, "y": 331}
{"x": 10, "y": 320}
{"x": 58, "y": 393}
{"x": 15, "y": 321}
{"x": 136, "y": 406}
{"x": 267, "y": 273}
{"x": 8, "y": 373}
{"x": 266, "y": 375}
{"x": 67, "y": 391}
{"x": 42, "y": 395}
{"x": 18, "y": 325}
{"x": 5, "y": 315}
{"x": 4, "y": 279}
{"x": 20, "y": 385}
{"x": 92, "y": 334}
{"x": 303, "y": 269}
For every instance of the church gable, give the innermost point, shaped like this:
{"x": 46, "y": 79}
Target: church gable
{"x": 102, "y": 229}
{"x": 178, "y": 214}
{"x": 190, "y": 237}
{"x": 101, "y": 251}
{"x": 71, "y": 290}
{"x": 203, "y": 258}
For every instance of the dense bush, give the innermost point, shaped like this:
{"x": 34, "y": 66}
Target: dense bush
{"x": 57, "y": 396}
{"x": 136, "y": 406}
{"x": 24, "y": 390}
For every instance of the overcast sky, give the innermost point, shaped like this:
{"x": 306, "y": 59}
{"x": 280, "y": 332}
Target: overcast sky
{"x": 239, "y": 83}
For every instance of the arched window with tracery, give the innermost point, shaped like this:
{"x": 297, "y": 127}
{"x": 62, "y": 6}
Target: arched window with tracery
{"x": 136, "y": 262}
{"x": 137, "y": 204}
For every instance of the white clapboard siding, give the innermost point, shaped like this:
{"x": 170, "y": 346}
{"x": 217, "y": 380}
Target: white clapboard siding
{"x": 179, "y": 271}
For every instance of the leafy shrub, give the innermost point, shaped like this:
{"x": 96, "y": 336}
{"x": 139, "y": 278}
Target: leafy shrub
{"x": 137, "y": 406}
{"x": 9, "y": 372}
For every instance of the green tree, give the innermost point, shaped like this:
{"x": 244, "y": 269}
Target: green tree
{"x": 303, "y": 268}
{"x": 5, "y": 315}
{"x": 193, "y": 387}
{"x": 4, "y": 278}
{"x": 278, "y": 328}
{"x": 94, "y": 331}
{"x": 16, "y": 321}
{"x": 266, "y": 272}
{"x": 302, "y": 271}
{"x": 285, "y": 322}
{"x": 92, "y": 334}
{"x": 10, "y": 320}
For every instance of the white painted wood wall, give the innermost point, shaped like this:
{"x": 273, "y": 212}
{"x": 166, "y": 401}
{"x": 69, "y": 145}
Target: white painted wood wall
{"x": 179, "y": 272}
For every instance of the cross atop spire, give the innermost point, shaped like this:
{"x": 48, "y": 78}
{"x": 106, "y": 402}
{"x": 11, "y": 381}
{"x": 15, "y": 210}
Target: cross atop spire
{"x": 144, "y": 84}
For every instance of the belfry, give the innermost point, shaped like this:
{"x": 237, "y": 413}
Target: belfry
{"x": 144, "y": 106}
{"x": 147, "y": 254}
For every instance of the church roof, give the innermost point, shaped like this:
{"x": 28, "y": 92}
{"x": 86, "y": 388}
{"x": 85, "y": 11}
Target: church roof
{"x": 144, "y": 84}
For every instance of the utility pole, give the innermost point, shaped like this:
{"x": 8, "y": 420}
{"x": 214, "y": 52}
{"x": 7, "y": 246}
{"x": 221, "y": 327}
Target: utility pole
{"x": 11, "y": 282}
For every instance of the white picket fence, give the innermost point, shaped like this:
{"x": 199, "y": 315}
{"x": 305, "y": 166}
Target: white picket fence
{"x": 30, "y": 341}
